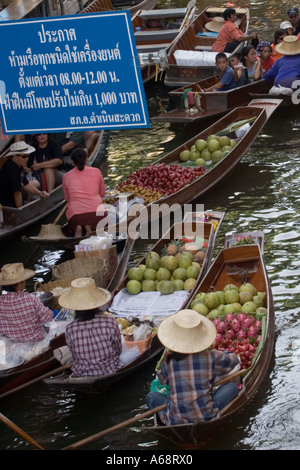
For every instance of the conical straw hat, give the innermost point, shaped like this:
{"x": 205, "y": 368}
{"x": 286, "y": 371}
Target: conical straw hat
{"x": 14, "y": 273}
{"x": 49, "y": 232}
{"x": 187, "y": 332}
{"x": 289, "y": 46}
{"x": 215, "y": 25}
{"x": 84, "y": 295}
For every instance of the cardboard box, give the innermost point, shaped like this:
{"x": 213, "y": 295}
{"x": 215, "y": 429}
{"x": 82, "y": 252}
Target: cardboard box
{"x": 110, "y": 254}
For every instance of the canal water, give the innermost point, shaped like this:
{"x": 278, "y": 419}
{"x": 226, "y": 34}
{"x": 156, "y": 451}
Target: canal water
{"x": 261, "y": 194}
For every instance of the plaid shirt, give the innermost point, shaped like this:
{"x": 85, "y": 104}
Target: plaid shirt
{"x": 191, "y": 385}
{"x": 95, "y": 346}
{"x": 22, "y": 316}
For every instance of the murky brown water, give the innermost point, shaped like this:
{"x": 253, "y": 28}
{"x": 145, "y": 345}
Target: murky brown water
{"x": 262, "y": 194}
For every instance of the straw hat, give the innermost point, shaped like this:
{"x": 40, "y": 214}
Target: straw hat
{"x": 215, "y": 25}
{"x": 20, "y": 148}
{"x": 187, "y": 332}
{"x": 49, "y": 232}
{"x": 289, "y": 46}
{"x": 84, "y": 295}
{"x": 14, "y": 273}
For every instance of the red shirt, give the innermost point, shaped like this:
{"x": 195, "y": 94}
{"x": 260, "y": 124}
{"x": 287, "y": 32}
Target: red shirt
{"x": 267, "y": 64}
{"x": 229, "y": 32}
{"x": 22, "y": 316}
{"x": 95, "y": 346}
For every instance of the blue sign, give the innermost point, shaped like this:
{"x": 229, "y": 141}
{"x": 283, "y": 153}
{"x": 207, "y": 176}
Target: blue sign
{"x": 71, "y": 73}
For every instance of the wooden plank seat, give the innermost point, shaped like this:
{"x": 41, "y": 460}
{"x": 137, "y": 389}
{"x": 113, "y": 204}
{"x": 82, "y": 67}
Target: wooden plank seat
{"x": 163, "y": 13}
{"x": 163, "y": 35}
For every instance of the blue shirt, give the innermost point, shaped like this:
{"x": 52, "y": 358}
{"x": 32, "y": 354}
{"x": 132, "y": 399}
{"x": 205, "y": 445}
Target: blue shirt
{"x": 227, "y": 79}
{"x": 287, "y": 66}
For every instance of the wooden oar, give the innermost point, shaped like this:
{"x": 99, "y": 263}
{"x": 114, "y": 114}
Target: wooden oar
{"x": 37, "y": 379}
{"x": 230, "y": 377}
{"x": 20, "y": 431}
{"x": 114, "y": 428}
{"x": 60, "y": 214}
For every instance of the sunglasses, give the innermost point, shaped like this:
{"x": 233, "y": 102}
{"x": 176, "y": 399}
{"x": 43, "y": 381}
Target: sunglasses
{"x": 40, "y": 134}
{"x": 293, "y": 16}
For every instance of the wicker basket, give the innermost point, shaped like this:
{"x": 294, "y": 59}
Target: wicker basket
{"x": 50, "y": 287}
{"x": 83, "y": 267}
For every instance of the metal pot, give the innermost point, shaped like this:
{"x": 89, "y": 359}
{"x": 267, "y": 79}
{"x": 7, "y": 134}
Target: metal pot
{"x": 44, "y": 296}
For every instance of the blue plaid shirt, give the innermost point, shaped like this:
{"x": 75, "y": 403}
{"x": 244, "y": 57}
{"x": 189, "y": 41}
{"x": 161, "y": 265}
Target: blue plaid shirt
{"x": 191, "y": 382}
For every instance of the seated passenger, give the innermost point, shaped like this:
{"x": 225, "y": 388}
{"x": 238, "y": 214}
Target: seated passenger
{"x": 22, "y": 315}
{"x": 286, "y": 70}
{"x": 288, "y": 27}
{"x": 46, "y": 161}
{"x": 238, "y": 69}
{"x": 190, "y": 369}
{"x": 264, "y": 51}
{"x": 279, "y": 35}
{"x": 93, "y": 338}
{"x": 225, "y": 73}
{"x": 252, "y": 63}
{"x": 70, "y": 141}
{"x": 15, "y": 188}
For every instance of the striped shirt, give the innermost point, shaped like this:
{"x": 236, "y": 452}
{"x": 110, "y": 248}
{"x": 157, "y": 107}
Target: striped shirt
{"x": 22, "y": 316}
{"x": 95, "y": 346}
{"x": 191, "y": 385}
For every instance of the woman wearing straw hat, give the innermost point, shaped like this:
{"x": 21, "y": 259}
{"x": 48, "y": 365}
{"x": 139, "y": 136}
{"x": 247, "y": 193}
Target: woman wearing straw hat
{"x": 190, "y": 369}
{"x": 22, "y": 315}
{"x": 286, "y": 70}
{"x": 94, "y": 338}
{"x": 229, "y": 35}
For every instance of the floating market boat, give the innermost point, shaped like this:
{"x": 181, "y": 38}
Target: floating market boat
{"x": 235, "y": 265}
{"x": 107, "y": 5}
{"x": 190, "y": 58}
{"x": 245, "y": 238}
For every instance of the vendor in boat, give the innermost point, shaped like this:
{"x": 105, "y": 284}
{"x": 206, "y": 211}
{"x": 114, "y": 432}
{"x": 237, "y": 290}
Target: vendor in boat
{"x": 94, "y": 338}
{"x": 83, "y": 190}
{"x": 190, "y": 369}
{"x": 225, "y": 74}
{"x": 230, "y": 36}
{"x": 46, "y": 161}
{"x": 286, "y": 71}
{"x": 22, "y": 314}
{"x": 15, "y": 188}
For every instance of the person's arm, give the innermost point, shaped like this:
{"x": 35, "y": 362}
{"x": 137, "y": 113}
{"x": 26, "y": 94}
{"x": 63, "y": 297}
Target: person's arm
{"x": 53, "y": 163}
{"x": 216, "y": 86}
{"x": 258, "y": 69}
{"x": 248, "y": 37}
{"x": 18, "y": 198}
{"x": 30, "y": 188}
{"x": 102, "y": 187}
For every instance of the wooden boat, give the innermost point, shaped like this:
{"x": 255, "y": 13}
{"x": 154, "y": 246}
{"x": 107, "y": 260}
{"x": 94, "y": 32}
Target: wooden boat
{"x": 108, "y": 5}
{"x": 233, "y": 265}
{"x": 194, "y": 46}
{"x": 245, "y": 238}
{"x": 287, "y": 101}
{"x": 18, "y": 219}
{"x": 187, "y": 228}
{"x": 209, "y": 105}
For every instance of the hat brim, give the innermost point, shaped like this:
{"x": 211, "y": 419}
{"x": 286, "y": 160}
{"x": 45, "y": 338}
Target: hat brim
{"x": 281, "y": 50}
{"x": 207, "y": 335}
{"x": 213, "y": 26}
{"x": 28, "y": 151}
{"x": 68, "y": 300}
{"x": 27, "y": 274}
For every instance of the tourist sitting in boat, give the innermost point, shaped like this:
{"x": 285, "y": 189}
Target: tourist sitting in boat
{"x": 46, "y": 161}
{"x": 83, "y": 190}
{"x": 279, "y": 35}
{"x": 15, "y": 188}
{"x": 190, "y": 369}
{"x": 225, "y": 74}
{"x": 288, "y": 27}
{"x": 252, "y": 63}
{"x": 230, "y": 36}
{"x": 293, "y": 15}
{"x": 238, "y": 69}
{"x": 286, "y": 71}
{"x": 22, "y": 315}
{"x": 264, "y": 51}
{"x": 93, "y": 338}
{"x": 70, "y": 141}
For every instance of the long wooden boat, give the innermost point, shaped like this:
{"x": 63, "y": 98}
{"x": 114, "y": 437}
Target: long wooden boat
{"x": 245, "y": 238}
{"x": 209, "y": 105}
{"x": 18, "y": 219}
{"x": 287, "y": 101}
{"x": 108, "y": 5}
{"x": 190, "y": 58}
{"x": 186, "y": 228}
{"x": 234, "y": 265}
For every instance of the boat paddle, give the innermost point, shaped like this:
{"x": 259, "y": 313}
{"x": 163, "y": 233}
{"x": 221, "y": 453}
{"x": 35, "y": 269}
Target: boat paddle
{"x": 114, "y": 428}
{"x": 60, "y": 214}
{"x": 20, "y": 431}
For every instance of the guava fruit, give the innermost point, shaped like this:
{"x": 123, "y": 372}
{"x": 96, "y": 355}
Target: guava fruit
{"x": 135, "y": 273}
{"x": 166, "y": 287}
{"x": 133, "y": 287}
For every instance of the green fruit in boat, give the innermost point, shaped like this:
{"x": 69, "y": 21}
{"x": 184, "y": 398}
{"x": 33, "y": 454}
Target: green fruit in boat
{"x": 226, "y": 147}
{"x": 179, "y": 273}
{"x": 153, "y": 260}
{"x": 193, "y": 271}
{"x": 200, "y": 144}
{"x": 184, "y": 155}
{"x": 142, "y": 267}
{"x": 195, "y": 302}
{"x": 249, "y": 307}
{"x": 224, "y": 140}
{"x": 213, "y": 136}
{"x": 211, "y": 300}
{"x": 213, "y": 144}
{"x": 231, "y": 296}
{"x": 258, "y": 300}
{"x": 200, "y": 162}
{"x": 178, "y": 284}
{"x": 163, "y": 274}
{"x": 230, "y": 286}
{"x": 233, "y": 143}
{"x": 158, "y": 285}
{"x": 184, "y": 260}
{"x": 245, "y": 296}
{"x": 194, "y": 155}
{"x": 166, "y": 287}
{"x": 216, "y": 156}
{"x": 148, "y": 285}
{"x": 236, "y": 307}
{"x": 206, "y": 155}
{"x": 133, "y": 287}
{"x": 221, "y": 307}
{"x": 188, "y": 254}
{"x": 189, "y": 283}
{"x": 201, "y": 308}
{"x": 228, "y": 308}
{"x": 248, "y": 287}
{"x": 221, "y": 295}
{"x": 225, "y": 153}
{"x": 193, "y": 147}
{"x": 261, "y": 312}
{"x": 150, "y": 274}
{"x": 215, "y": 313}
{"x": 200, "y": 296}
{"x": 170, "y": 262}
{"x": 135, "y": 273}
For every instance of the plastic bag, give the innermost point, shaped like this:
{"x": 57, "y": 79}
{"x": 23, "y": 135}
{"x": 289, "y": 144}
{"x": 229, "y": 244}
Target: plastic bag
{"x": 156, "y": 386}
{"x": 141, "y": 332}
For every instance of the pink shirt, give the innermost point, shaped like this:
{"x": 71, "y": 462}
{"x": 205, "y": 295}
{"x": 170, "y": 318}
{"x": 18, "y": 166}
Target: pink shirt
{"x": 83, "y": 190}
{"x": 229, "y": 32}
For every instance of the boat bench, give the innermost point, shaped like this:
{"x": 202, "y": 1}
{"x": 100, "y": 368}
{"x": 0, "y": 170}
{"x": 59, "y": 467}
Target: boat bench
{"x": 204, "y": 48}
{"x": 196, "y": 58}
{"x": 163, "y": 13}
{"x": 164, "y": 35}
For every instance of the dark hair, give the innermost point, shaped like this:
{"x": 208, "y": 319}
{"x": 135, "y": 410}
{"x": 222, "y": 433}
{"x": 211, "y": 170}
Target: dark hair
{"x": 277, "y": 34}
{"x": 245, "y": 51}
{"x": 85, "y": 315}
{"x": 78, "y": 157}
{"x": 228, "y": 12}
{"x": 11, "y": 288}
{"x": 237, "y": 55}
{"x": 34, "y": 141}
{"x": 221, "y": 55}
